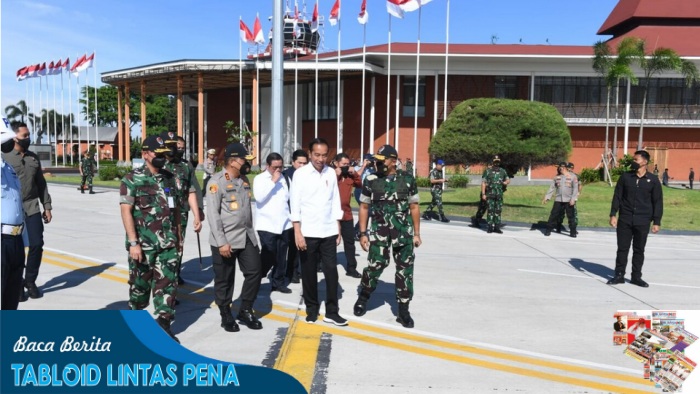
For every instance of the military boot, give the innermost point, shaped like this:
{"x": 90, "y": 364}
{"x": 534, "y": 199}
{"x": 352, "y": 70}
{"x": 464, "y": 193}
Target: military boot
{"x": 165, "y": 325}
{"x": 497, "y": 229}
{"x": 490, "y": 229}
{"x": 444, "y": 219}
{"x": 82, "y": 190}
{"x": 425, "y": 216}
{"x": 91, "y": 192}
{"x": 573, "y": 232}
{"x": 475, "y": 221}
{"x": 404, "y": 316}
{"x": 227, "y": 321}
{"x": 360, "y": 307}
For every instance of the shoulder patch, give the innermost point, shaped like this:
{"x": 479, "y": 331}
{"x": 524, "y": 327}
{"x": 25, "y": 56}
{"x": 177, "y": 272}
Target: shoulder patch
{"x": 371, "y": 177}
{"x": 213, "y": 188}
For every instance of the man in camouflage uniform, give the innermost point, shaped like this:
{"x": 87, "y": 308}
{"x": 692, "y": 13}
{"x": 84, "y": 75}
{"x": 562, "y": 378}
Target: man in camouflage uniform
{"x": 186, "y": 190}
{"x": 393, "y": 196}
{"x": 493, "y": 185}
{"x": 409, "y": 166}
{"x": 483, "y": 207}
{"x": 87, "y": 170}
{"x": 151, "y": 216}
{"x": 560, "y": 223}
{"x": 436, "y": 182}
{"x": 566, "y": 188}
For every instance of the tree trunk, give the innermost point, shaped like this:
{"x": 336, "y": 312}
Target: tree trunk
{"x": 617, "y": 107}
{"x": 607, "y": 128}
{"x": 641, "y": 120}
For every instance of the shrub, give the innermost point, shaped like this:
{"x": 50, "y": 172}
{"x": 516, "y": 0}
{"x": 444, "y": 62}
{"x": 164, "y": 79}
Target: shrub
{"x": 589, "y": 175}
{"x": 422, "y": 181}
{"x": 458, "y": 181}
{"x": 110, "y": 172}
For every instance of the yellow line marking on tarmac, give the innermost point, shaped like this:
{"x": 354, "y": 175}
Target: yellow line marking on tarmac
{"x": 85, "y": 261}
{"x": 300, "y": 348}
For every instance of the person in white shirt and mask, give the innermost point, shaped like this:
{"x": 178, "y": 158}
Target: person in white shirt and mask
{"x": 272, "y": 221}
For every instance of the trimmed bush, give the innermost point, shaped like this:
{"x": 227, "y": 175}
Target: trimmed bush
{"x": 458, "y": 181}
{"x": 110, "y": 172}
{"x": 589, "y": 175}
{"x": 422, "y": 181}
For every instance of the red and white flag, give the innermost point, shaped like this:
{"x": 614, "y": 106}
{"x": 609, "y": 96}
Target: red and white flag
{"x": 335, "y": 13}
{"x": 80, "y": 61}
{"x": 42, "y": 70}
{"x": 32, "y": 70}
{"x": 258, "y": 36}
{"x": 87, "y": 63}
{"x": 364, "y": 16}
{"x": 297, "y": 28}
{"x": 22, "y": 73}
{"x": 246, "y": 35}
{"x": 398, "y": 7}
{"x": 314, "y": 19}
{"x": 66, "y": 65}
{"x": 55, "y": 68}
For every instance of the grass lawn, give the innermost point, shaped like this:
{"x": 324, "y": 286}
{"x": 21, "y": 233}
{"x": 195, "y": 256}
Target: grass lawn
{"x": 524, "y": 203}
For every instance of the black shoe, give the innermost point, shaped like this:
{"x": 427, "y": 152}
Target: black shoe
{"x": 490, "y": 229}
{"x": 335, "y": 318}
{"x": 573, "y": 234}
{"x": 404, "y": 316}
{"x": 227, "y": 321}
{"x": 617, "y": 280}
{"x": 353, "y": 274}
{"x": 82, "y": 191}
{"x": 295, "y": 279}
{"x": 33, "y": 291}
{"x": 425, "y": 216}
{"x": 91, "y": 192}
{"x": 165, "y": 325}
{"x": 497, "y": 230}
{"x": 247, "y": 317}
{"x": 360, "y": 307}
{"x": 560, "y": 228}
{"x": 475, "y": 221}
{"x": 547, "y": 233}
{"x": 180, "y": 281}
{"x": 283, "y": 289}
{"x": 639, "y": 282}
{"x": 444, "y": 219}
{"x": 311, "y": 317}
{"x": 23, "y": 297}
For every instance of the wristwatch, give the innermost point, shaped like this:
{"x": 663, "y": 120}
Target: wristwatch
{"x": 134, "y": 243}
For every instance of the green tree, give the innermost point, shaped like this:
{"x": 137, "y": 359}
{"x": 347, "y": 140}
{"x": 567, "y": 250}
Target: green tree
{"x": 19, "y": 113}
{"x": 235, "y": 133}
{"x": 521, "y": 132}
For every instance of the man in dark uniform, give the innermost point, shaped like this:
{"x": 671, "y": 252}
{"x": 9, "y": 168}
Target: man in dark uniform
{"x": 300, "y": 158}
{"x": 87, "y": 170}
{"x": 493, "y": 184}
{"x": 436, "y": 182}
{"x": 151, "y": 216}
{"x": 233, "y": 239}
{"x": 691, "y": 177}
{"x": 639, "y": 201}
{"x": 395, "y": 225}
{"x": 483, "y": 207}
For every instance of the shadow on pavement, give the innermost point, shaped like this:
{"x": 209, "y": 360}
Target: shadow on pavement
{"x": 385, "y": 293}
{"x": 74, "y": 278}
{"x": 594, "y": 268}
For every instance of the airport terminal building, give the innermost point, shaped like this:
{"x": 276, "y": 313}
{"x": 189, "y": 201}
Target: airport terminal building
{"x": 209, "y": 92}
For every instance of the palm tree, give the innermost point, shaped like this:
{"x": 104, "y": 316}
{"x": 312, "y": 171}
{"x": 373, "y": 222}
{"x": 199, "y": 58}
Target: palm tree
{"x": 19, "y": 113}
{"x": 602, "y": 63}
{"x": 621, "y": 69}
{"x": 659, "y": 61}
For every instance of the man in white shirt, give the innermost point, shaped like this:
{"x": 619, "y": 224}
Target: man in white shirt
{"x": 316, "y": 215}
{"x": 272, "y": 221}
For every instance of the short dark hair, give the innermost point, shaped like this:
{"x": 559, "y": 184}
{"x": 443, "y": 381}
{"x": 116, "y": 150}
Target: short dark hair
{"x": 341, "y": 156}
{"x": 16, "y": 126}
{"x": 299, "y": 153}
{"x": 272, "y": 157}
{"x": 179, "y": 139}
{"x": 317, "y": 141}
{"x": 644, "y": 154}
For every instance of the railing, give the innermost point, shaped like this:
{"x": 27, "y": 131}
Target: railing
{"x": 654, "y": 114}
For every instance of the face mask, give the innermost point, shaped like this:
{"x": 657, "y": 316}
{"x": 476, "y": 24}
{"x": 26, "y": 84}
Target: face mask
{"x": 634, "y": 166}
{"x": 24, "y": 144}
{"x": 496, "y": 164}
{"x": 345, "y": 171}
{"x": 245, "y": 168}
{"x": 158, "y": 162}
{"x": 381, "y": 168}
{"x": 8, "y": 146}
{"x": 179, "y": 153}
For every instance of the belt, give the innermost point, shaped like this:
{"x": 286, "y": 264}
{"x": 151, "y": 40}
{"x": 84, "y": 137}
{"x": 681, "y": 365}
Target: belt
{"x": 9, "y": 229}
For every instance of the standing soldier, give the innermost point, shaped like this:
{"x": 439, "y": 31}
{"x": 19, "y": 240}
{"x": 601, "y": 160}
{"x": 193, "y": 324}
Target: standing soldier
{"x": 209, "y": 168}
{"x": 393, "y": 196}
{"x": 566, "y": 188}
{"x": 436, "y": 182}
{"x": 409, "y": 166}
{"x": 562, "y": 213}
{"x": 87, "y": 170}
{"x": 186, "y": 190}
{"x": 493, "y": 185}
{"x": 233, "y": 239}
{"x": 150, "y": 217}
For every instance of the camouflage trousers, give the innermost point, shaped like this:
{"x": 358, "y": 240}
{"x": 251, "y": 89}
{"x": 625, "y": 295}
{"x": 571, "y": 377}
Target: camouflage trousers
{"x": 563, "y": 213}
{"x": 87, "y": 177}
{"x": 483, "y": 207}
{"x": 437, "y": 201}
{"x": 184, "y": 217}
{"x": 379, "y": 259}
{"x": 495, "y": 204}
{"x": 155, "y": 273}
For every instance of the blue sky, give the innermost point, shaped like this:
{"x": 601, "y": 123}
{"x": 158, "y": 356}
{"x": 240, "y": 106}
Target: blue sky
{"x": 129, "y": 33}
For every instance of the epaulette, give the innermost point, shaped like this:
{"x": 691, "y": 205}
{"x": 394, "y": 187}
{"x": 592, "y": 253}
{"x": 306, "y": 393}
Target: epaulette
{"x": 371, "y": 177}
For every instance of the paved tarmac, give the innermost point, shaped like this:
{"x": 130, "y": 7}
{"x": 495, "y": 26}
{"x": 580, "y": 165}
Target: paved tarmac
{"x": 512, "y": 312}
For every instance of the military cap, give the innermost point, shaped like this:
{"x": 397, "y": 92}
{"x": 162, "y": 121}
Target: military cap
{"x": 440, "y": 162}
{"x": 211, "y": 151}
{"x": 496, "y": 159}
{"x": 155, "y": 144}
{"x": 237, "y": 149}
{"x": 386, "y": 151}
{"x": 169, "y": 137}
{"x": 562, "y": 164}
{"x": 570, "y": 165}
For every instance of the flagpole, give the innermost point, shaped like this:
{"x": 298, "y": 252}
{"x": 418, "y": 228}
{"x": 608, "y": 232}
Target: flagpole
{"x": 33, "y": 105}
{"x": 318, "y": 47}
{"x": 77, "y": 85}
{"x": 240, "y": 81}
{"x": 415, "y": 99}
{"x": 339, "y": 139}
{"x": 388, "y": 87}
{"x": 447, "y": 59}
{"x": 70, "y": 114}
{"x": 296, "y": 87}
{"x": 63, "y": 119}
{"x": 41, "y": 116}
{"x": 55, "y": 132}
{"x": 97, "y": 137}
{"x": 362, "y": 111}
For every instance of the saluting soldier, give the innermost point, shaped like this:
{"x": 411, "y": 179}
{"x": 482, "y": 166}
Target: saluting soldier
{"x": 150, "y": 216}
{"x": 186, "y": 189}
{"x": 566, "y": 188}
{"x": 493, "y": 184}
{"x": 87, "y": 170}
{"x": 436, "y": 182}
{"x": 233, "y": 238}
{"x": 393, "y": 196}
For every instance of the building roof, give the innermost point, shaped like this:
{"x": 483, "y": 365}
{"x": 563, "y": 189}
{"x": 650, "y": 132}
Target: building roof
{"x": 104, "y": 134}
{"x": 682, "y": 39}
{"x": 631, "y": 13}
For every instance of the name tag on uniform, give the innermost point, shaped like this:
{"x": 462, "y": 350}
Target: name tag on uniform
{"x": 171, "y": 202}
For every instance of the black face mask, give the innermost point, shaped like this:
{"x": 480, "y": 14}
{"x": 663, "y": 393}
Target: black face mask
{"x": 634, "y": 166}
{"x": 345, "y": 171}
{"x": 179, "y": 153}
{"x": 381, "y": 167}
{"x": 158, "y": 162}
{"x": 245, "y": 168}
{"x": 24, "y": 144}
{"x": 8, "y": 146}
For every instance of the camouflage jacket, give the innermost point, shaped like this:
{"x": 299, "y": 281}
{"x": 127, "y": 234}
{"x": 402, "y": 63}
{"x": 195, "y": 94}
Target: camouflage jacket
{"x": 435, "y": 174}
{"x": 494, "y": 178}
{"x": 87, "y": 165}
{"x": 184, "y": 178}
{"x": 149, "y": 194}
{"x": 390, "y": 198}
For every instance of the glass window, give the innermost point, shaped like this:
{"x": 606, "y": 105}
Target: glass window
{"x": 409, "y": 95}
{"x": 506, "y": 87}
{"x": 327, "y": 97}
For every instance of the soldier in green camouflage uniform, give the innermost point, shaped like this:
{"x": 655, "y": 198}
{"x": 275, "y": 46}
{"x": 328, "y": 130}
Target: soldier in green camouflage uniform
{"x": 560, "y": 224}
{"x": 186, "y": 188}
{"x": 151, "y": 216}
{"x": 483, "y": 207}
{"x": 393, "y": 196}
{"x": 493, "y": 183}
{"x": 87, "y": 170}
{"x": 436, "y": 182}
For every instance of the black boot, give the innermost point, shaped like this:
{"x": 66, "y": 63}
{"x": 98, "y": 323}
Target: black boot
{"x": 91, "y": 192}
{"x": 490, "y": 229}
{"x": 475, "y": 221}
{"x": 165, "y": 325}
{"x": 573, "y": 232}
{"x": 444, "y": 219}
{"x": 404, "y": 316}
{"x": 227, "y": 321}
{"x": 497, "y": 229}
{"x": 247, "y": 317}
{"x": 426, "y": 216}
{"x": 82, "y": 190}
{"x": 360, "y": 307}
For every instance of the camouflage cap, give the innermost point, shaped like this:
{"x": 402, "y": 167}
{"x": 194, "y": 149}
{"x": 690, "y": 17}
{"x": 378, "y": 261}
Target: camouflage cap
{"x": 386, "y": 151}
{"x": 169, "y": 137}
{"x": 237, "y": 149}
{"x": 155, "y": 144}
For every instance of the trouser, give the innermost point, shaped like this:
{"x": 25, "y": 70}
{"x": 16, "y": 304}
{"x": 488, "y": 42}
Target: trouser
{"x": 273, "y": 254}
{"x": 495, "y": 204}
{"x": 225, "y": 274}
{"x": 379, "y": 259}
{"x": 325, "y": 249}
{"x": 562, "y": 213}
{"x": 204, "y": 186}
{"x": 437, "y": 201}
{"x": 88, "y": 178}
{"x": 559, "y": 208}
{"x": 156, "y": 273}
{"x": 184, "y": 217}
{"x": 347, "y": 231}
{"x": 691, "y": 183}
{"x": 483, "y": 207}
{"x": 12, "y": 267}
{"x": 636, "y": 235}
{"x": 35, "y": 233}
{"x": 293, "y": 265}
